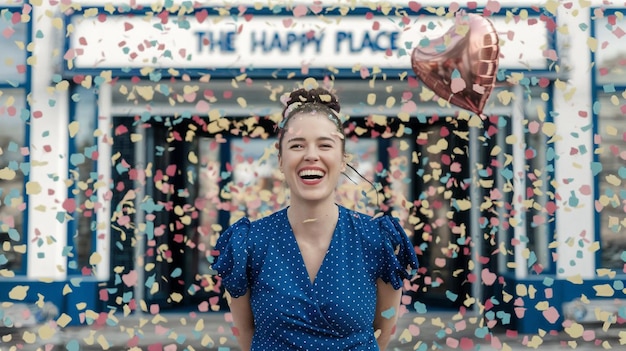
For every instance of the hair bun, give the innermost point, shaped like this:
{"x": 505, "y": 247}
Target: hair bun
{"x": 316, "y": 95}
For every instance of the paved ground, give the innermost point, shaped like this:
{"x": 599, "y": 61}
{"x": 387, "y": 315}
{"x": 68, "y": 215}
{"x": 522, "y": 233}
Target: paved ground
{"x": 211, "y": 331}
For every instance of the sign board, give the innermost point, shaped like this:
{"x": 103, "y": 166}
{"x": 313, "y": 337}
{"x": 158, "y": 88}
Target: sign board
{"x": 278, "y": 41}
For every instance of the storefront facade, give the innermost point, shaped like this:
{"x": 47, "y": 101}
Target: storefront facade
{"x": 149, "y": 129}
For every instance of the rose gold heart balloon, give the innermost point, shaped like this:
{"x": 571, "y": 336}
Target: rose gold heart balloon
{"x": 461, "y": 66}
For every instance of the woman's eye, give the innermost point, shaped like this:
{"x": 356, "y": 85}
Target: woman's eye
{"x": 295, "y": 146}
{"x": 326, "y": 146}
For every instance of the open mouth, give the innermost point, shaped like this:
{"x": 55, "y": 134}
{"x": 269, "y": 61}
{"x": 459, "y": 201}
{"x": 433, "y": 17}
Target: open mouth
{"x": 311, "y": 174}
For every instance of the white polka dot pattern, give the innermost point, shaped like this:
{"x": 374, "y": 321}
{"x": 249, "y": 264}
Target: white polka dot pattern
{"x": 336, "y": 311}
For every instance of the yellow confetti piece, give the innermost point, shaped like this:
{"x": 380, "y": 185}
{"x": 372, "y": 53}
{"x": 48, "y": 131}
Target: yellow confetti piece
{"x": 95, "y": 258}
{"x": 604, "y": 290}
{"x": 7, "y": 174}
{"x": 57, "y": 23}
{"x": 73, "y": 128}
{"x": 371, "y": 99}
{"x": 207, "y": 341}
{"x": 62, "y": 85}
{"x": 136, "y": 137}
{"x": 67, "y": 289}
{"x": 18, "y": 292}
{"x": 464, "y": 204}
{"x": 380, "y": 119}
{"x": 64, "y": 320}
{"x": 29, "y": 337}
{"x": 575, "y": 330}
{"x": 33, "y": 188}
{"x": 405, "y": 336}
{"x": 613, "y": 180}
{"x": 103, "y": 342}
{"x": 176, "y": 297}
{"x": 542, "y": 306}
{"x": 535, "y": 342}
{"x": 576, "y": 279}
{"x": 604, "y": 272}
{"x": 505, "y": 97}
{"x": 192, "y": 157}
{"x": 592, "y": 43}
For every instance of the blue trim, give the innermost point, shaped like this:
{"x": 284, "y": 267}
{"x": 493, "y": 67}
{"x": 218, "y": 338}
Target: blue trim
{"x": 84, "y": 291}
{"x": 595, "y": 92}
{"x": 285, "y": 72}
{"x": 556, "y": 291}
{"x": 25, "y": 214}
{"x": 551, "y": 174}
{"x": 595, "y": 158}
{"x": 71, "y": 224}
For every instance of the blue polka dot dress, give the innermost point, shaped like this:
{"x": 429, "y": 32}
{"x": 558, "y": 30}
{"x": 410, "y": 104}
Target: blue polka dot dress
{"x": 336, "y": 310}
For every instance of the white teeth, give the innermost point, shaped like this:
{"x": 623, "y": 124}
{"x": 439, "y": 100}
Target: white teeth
{"x": 311, "y": 173}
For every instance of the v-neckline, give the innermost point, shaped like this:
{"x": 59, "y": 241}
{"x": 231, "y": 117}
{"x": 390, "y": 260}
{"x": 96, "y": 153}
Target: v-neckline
{"x": 300, "y": 257}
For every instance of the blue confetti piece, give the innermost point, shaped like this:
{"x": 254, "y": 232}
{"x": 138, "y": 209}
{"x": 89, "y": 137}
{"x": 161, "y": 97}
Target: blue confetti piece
{"x": 149, "y": 206}
{"x": 596, "y": 107}
{"x": 573, "y": 200}
{"x": 72, "y": 345}
{"x": 420, "y": 307}
{"x": 14, "y": 234}
{"x": 388, "y": 314}
{"x": 149, "y": 281}
{"x": 507, "y": 173}
{"x": 609, "y": 88}
{"x": 451, "y": 296}
{"x": 596, "y": 168}
{"x": 3, "y": 259}
{"x": 618, "y": 285}
{"x": 481, "y": 332}
{"x": 77, "y": 159}
{"x": 504, "y": 317}
{"x": 127, "y": 296}
{"x": 177, "y": 272}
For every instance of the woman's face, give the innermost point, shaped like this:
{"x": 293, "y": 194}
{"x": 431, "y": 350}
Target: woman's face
{"x": 312, "y": 157}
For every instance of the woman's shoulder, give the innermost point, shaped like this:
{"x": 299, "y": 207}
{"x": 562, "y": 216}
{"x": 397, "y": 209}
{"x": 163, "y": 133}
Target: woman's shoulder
{"x": 378, "y": 226}
{"x": 258, "y": 227}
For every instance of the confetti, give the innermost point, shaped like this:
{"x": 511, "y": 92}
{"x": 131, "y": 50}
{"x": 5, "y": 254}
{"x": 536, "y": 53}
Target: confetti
{"x": 154, "y": 130}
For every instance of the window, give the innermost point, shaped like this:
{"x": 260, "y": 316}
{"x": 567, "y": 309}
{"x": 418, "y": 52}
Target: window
{"x": 610, "y": 165}
{"x": 13, "y": 172}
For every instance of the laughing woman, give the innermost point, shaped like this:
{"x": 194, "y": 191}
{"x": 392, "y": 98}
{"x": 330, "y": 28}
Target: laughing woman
{"x": 314, "y": 275}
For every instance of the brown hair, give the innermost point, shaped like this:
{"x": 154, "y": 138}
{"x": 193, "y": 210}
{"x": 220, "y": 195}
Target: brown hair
{"x": 307, "y": 101}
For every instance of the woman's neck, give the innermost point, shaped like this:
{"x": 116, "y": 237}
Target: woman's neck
{"x": 308, "y": 216}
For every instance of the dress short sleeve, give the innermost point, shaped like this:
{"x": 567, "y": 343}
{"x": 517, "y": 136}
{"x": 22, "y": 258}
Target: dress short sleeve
{"x": 399, "y": 259}
{"x": 232, "y": 260}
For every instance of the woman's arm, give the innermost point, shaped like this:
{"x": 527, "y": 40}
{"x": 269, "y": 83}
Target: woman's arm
{"x": 387, "y": 306}
{"x": 244, "y": 322}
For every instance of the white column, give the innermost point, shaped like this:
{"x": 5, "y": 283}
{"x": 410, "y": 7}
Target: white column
{"x": 575, "y": 214}
{"x": 46, "y": 188}
{"x": 519, "y": 185}
{"x": 104, "y": 191}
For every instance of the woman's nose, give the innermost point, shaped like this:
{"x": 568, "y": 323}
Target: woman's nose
{"x": 311, "y": 154}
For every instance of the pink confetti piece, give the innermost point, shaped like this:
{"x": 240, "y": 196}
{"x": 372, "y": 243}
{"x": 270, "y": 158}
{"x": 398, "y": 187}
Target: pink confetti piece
{"x": 130, "y": 279}
{"x": 300, "y": 10}
{"x": 551, "y": 314}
